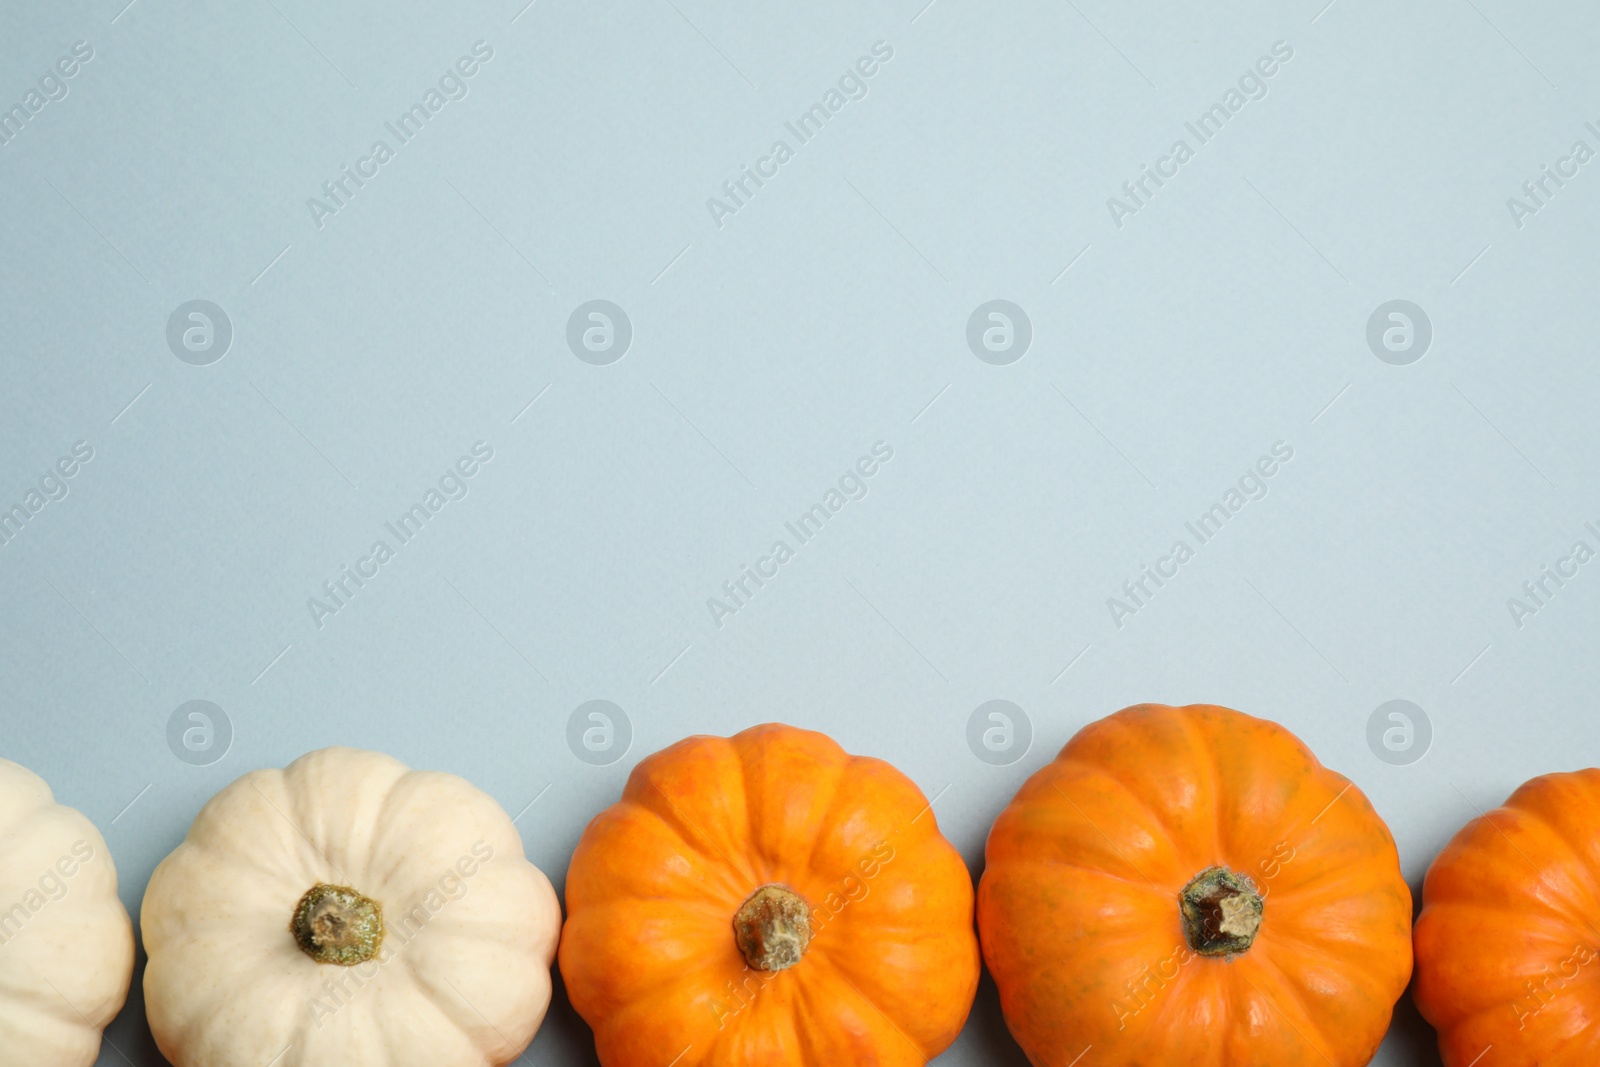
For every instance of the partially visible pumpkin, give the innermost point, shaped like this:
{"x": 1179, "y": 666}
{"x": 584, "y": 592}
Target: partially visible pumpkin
{"x": 66, "y": 943}
{"x": 1189, "y": 886}
{"x": 767, "y": 900}
{"x": 1508, "y": 942}
{"x": 348, "y": 912}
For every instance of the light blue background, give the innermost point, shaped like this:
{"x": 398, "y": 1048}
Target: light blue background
{"x": 768, "y": 354}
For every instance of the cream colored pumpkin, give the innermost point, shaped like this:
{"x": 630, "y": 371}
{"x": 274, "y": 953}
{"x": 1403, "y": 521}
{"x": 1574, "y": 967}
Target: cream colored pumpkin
{"x": 439, "y": 932}
{"x": 66, "y": 944}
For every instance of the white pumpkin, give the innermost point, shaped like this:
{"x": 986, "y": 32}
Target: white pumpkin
{"x": 66, "y": 943}
{"x": 348, "y": 911}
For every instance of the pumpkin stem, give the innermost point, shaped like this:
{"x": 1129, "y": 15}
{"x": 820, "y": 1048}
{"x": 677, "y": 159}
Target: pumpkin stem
{"x": 1221, "y": 912}
{"x": 773, "y": 928}
{"x": 335, "y": 924}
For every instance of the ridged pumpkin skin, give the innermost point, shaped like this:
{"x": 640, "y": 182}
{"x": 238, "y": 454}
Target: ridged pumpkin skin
{"x": 649, "y": 954}
{"x": 1079, "y": 915}
{"x": 66, "y": 943}
{"x": 1508, "y": 942}
{"x": 460, "y": 976}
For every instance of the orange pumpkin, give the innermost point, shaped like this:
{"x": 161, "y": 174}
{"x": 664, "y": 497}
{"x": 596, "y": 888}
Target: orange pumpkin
{"x": 767, "y": 899}
{"x": 1190, "y": 886}
{"x": 1508, "y": 942}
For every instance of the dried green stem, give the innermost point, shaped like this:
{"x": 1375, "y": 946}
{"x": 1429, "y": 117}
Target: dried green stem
{"x": 1221, "y": 912}
{"x": 335, "y": 924}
